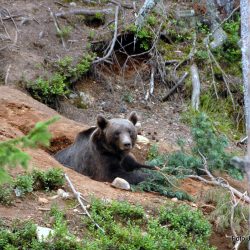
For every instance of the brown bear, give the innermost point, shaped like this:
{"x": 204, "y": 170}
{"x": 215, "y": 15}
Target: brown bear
{"x": 103, "y": 152}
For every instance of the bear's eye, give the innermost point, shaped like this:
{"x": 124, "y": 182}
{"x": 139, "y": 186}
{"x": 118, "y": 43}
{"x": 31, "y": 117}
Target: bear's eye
{"x": 117, "y": 133}
{"x": 130, "y": 132}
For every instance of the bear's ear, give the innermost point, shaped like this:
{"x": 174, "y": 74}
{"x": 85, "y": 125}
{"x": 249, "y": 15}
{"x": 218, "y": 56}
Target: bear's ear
{"x": 102, "y": 122}
{"x": 133, "y": 117}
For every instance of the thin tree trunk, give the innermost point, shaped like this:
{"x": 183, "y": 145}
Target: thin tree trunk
{"x": 245, "y": 37}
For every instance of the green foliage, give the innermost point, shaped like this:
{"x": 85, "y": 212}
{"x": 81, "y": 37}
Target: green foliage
{"x": 22, "y": 235}
{"x": 64, "y": 32}
{"x": 230, "y": 53}
{"x": 162, "y": 184}
{"x": 202, "y": 28}
{"x": 152, "y": 20}
{"x": 222, "y": 212}
{"x": 128, "y": 97}
{"x": 11, "y": 154}
{"x": 148, "y": 234}
{"x": 186, "y": 220}
{"x": 201, "y": 55}
{"x": 24, "y": 184}
{"x": 207, "y": 143}
{"x": 126, "y": 227}
{"x": 48, "y": 90}
{"x": 6, "y": 194}
{"x": 144, "y": 36}
{"x": 36, "y": 180}
{"x": 48, "y": 180}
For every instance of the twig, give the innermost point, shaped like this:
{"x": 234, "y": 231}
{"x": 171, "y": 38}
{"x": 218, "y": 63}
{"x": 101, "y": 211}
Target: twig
{"x": 125, "y": 6}
{"x": 16, "y": 29}
{"x": 86, "y": 12}
{"x": 213, "y": 78}
{"x": 226, "y": 19}
{"x": 7, "y": 75}
{"x": 224, "y": 75}
{"x": 78, "y": 197}
{"x": 58, "y": 30}
{"x": 113, "y": 41}
{"x": 181, "y": 80}
{"x": 218, "y": 181}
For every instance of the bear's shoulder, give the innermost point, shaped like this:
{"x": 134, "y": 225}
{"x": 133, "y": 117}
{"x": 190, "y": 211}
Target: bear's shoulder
{"x": 85, "y": 134}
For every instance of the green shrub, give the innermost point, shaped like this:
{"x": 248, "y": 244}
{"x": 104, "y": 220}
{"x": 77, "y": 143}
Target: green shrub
{"x": 208, "y": 142}
{"x": 48, "y": 180}
{"x": 64, "y": 32}
{"x": 6, "y": 194}
{"x": 154, "y": 233}
{"x": 23, "y": 184}
{"x": 47, "y": 90}
{"x": 126, "y": 227}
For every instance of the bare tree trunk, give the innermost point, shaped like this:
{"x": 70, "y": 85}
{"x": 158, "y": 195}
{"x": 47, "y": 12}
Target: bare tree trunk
{"x": 245, "y": 37}
{"x": 196, "y": 87}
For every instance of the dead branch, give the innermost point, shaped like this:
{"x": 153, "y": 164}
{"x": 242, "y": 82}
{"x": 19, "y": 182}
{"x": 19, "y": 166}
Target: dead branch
{"x": 196, "y": 87}
{"x": 224, "y": 75}
{"x": 179, "y": 83}
{"x": 218, "y": 181}
{"x": 58, "y": 30}
{"x": 225, "y": 20}
{"x": 123, "y": 5}
{"x": 85, "y": 12}
{"x": 113, "y": 41}
{"x": 79, "y": 199}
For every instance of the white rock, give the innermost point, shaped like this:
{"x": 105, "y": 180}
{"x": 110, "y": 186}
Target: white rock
{"x": 120, "y": 183}
{"x": 174, "y": 199}
{"x": 142, "y": 139}
{"x": 43, "y": 233}
{"x": 63, "y": 194}
{"x": 72, "y": 4}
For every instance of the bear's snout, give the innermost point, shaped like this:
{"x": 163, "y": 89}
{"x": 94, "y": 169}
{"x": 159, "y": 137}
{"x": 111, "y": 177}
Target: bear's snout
{"x": 125, "y": 142}
{"x": 127, "y": 145}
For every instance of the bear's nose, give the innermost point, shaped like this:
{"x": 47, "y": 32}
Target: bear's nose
{"x": 127, "y": 145}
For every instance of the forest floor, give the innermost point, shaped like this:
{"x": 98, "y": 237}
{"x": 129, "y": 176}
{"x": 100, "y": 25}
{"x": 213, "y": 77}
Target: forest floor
{"x": 33, "y": 46}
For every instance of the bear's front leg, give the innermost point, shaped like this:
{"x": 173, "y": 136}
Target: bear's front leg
{"x": 129, "y": 164}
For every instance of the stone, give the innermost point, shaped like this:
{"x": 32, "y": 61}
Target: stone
{"x": 63, "y": 194}
{"x": 174, "y": 199}
{"x": 43, "y": 233}
{"x": 142, "y": 140}
{"x": 42, "y": 200}
{"x": 120, "y": 183}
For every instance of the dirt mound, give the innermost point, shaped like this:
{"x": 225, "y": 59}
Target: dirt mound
{"x": 19, "y": 113}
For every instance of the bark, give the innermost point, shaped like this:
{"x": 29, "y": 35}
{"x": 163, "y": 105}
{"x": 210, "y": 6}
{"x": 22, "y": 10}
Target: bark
{"x": 245, "y": 37}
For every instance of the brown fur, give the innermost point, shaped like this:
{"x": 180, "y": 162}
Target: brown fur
{"x": 103, "y": 152}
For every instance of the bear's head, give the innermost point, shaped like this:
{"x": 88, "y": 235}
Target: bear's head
{"x": 119, "y": 135}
